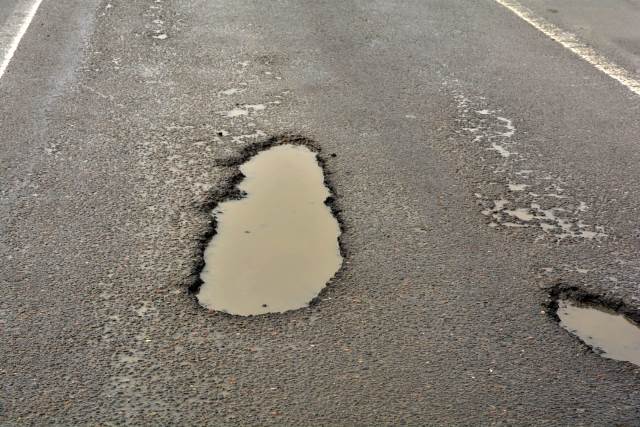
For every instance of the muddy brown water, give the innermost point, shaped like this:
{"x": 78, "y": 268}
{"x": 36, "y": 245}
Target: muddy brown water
{"x": 277, "y": 247}
{"x": 611, "y": 334}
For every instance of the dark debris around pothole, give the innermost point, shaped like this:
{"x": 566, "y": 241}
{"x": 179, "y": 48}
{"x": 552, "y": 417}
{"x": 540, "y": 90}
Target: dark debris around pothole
{"x": 230, "y": 191}
{"x": 605, "y": 324}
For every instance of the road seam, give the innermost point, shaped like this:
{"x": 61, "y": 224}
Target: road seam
{"x": 574, "y": 44}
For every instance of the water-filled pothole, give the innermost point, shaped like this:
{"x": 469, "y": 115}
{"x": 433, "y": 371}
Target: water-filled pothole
{"x": 277, "y": 246}
{"x": 609, "y": 333}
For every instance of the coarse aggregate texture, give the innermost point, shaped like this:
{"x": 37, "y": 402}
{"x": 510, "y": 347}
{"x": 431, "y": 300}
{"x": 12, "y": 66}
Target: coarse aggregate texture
{"x": 118, "y": 120}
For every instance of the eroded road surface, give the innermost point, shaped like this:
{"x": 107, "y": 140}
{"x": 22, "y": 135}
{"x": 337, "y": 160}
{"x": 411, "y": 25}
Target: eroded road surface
{"x": 482, "y": 155}
{"x": 276, "y": 242}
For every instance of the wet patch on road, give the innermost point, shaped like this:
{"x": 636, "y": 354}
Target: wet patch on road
{"x": 608, "y": 327}
{"x": 276, "y": 242}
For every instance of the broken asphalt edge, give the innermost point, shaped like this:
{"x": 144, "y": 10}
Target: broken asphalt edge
{"x": 228, "y": 190}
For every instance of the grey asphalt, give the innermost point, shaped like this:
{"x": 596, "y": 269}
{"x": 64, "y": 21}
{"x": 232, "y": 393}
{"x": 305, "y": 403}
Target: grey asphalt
{"x": 611, "y": 27}
{"x": 6, "y": 9}
{"x": 111, "y": 146}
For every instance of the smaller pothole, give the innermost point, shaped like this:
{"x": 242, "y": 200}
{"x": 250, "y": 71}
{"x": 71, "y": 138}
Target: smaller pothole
{"x": 608, "y": 332}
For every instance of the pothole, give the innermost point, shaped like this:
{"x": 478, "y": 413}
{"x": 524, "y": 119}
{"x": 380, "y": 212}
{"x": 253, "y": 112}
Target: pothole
{"x": 276, "y": 247}
{"x": 610, "y": 334}
{"x": 598, "y": 322}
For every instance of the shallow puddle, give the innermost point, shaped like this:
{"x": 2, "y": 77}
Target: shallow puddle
{"x": 277, "y": 247}
{"x": 608, "y": 332}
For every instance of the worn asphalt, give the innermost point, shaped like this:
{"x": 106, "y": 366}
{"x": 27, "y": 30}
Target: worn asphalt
{"x": 478, "y": 163}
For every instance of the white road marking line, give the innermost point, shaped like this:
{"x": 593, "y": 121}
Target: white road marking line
{"x": 575, "y": 45}
{"x": 16, "y": 26}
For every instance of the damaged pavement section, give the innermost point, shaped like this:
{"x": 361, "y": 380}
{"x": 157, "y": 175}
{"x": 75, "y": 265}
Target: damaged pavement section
{"x": 607, "y": 326}
{"x": 273, "y": 244}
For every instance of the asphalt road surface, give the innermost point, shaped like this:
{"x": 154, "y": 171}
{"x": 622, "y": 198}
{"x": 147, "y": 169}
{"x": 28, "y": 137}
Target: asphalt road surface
{"x": 478, "y": 163}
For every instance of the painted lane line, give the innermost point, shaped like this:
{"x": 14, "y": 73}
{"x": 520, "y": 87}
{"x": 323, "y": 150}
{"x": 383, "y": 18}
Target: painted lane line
{"x": 15, "y": 28}
{"x": 574, "y": 44}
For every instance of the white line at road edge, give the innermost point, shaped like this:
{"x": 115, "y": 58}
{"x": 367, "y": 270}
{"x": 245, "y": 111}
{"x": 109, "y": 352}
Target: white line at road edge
{"x": 573, "y": 43}
{"x": 22, "y": 21}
